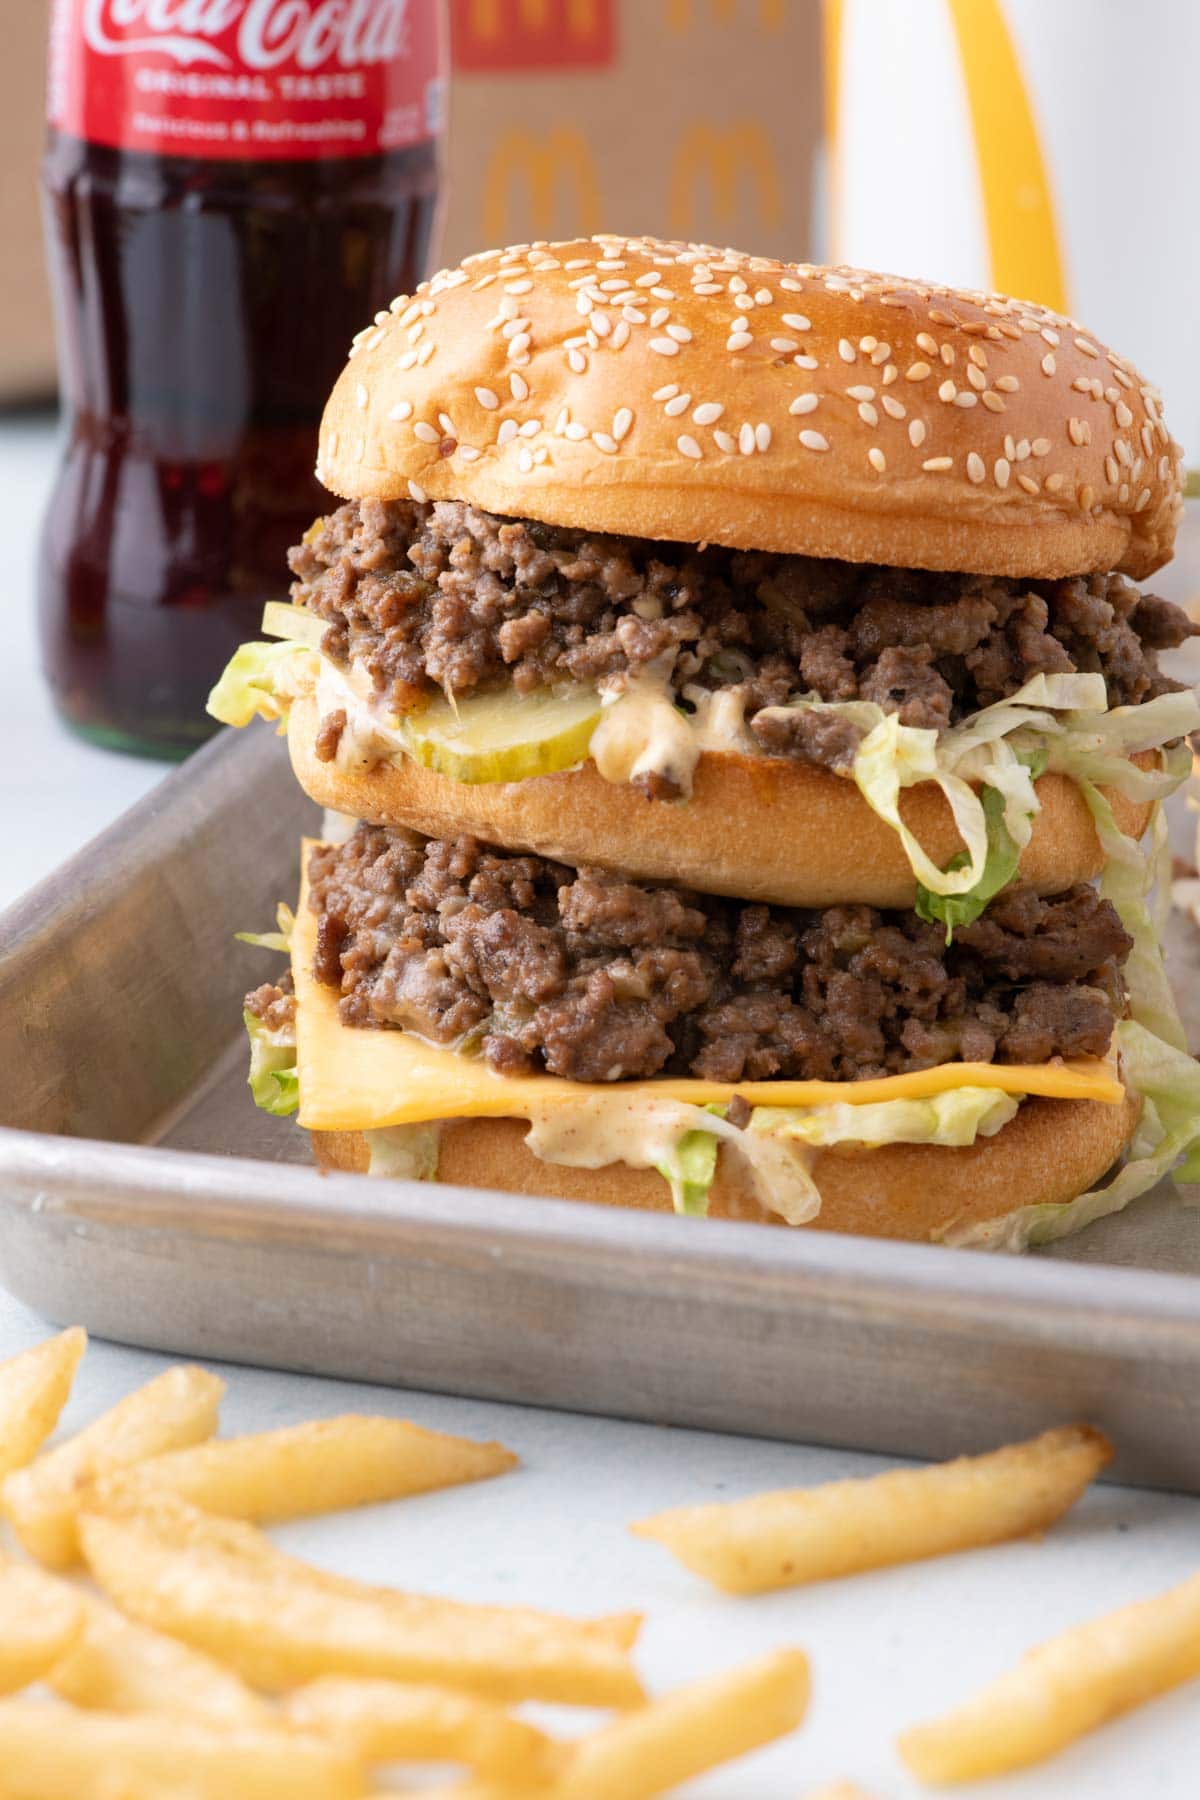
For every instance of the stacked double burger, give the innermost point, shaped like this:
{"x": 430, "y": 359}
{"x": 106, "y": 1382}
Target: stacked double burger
{"x": 745, "y": 744}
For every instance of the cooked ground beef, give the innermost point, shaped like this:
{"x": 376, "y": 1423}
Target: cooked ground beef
{"x": 444, "y": 595}
{"x": 274, "y": 1003}
{"x": 589, "y": 976}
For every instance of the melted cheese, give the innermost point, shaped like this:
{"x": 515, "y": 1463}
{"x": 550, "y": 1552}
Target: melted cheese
{"x": 356, "y": 1080}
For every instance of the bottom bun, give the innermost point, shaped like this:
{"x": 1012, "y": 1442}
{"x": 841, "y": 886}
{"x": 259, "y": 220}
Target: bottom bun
{"x": 1051, "y": 1151}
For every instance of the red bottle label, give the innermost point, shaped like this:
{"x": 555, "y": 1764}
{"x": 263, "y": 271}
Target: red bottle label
{"x": 259, "y": 80}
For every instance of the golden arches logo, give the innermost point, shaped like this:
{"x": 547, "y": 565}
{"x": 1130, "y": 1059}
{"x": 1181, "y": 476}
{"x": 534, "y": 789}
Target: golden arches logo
{"x": 726, "y": 158}
{"x": 552, "y": 163}
{"x": 487, "y": 20}
{"x": 681, "y": 14}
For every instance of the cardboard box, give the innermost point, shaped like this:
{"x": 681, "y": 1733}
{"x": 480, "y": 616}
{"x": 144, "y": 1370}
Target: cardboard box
{"x": 26, "y": 327}
{"x": 692, "y": 119}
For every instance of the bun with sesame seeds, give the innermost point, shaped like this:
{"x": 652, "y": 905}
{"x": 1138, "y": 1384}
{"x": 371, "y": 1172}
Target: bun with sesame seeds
{"x": 685, "y": 393}
{"x": 1050, "y": 1151}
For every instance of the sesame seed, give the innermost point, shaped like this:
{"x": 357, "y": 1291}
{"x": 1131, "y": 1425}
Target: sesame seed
{"x": 746, "y": 440}
{"x": 1001, "y": 471}
{"x": 1028, "y": 483}
{"x": 867, "y": 413}
{"x": 1040, "y": 446}
{"x": 805, "y": 362}
{"x": 680, "y": 333}
{"x": 1142, "y": 500}
{"x": 1048, "y": 363}
{"x": 659, "y": 317}
{"x": 416, "y": 332}
{"x": 917, "y": 371}
{"x": 407, "y": 361}
{"x": 447, "y": 424}
{"x": 947, "y": 354}
{"x": 518, "y": 387}
{"x": 846, "y": 350}
{"x": 678, "y": 405}
{"x": 976, "y": 377}
{"x": 1124, "y": 454}
{"x": 976, "y": 469}
{"x": 935, "y": 465}
{"x": 507, "y": 431}
{"x": 531, "y": 427}
{"x": 417, "y": 493}
{"x": 797, "y": 321}
{"x": 743, "y": 302}
{"x": 664, "y": 346}
{"x": 1052, "y": 483}
{"x": 947, "y": 391}
{"x": 517, "y": 346}
{"x": 1088, "y": 349}
{"x": 916, "y": 433}
{"x": 622, "y": 420}
{"x": 763, "y": 297}
{"x": 705, "y": 287}
{"x": 620, "y": 335}
{"x": 1122, "y": 415}
{"x": 892, "y": 407}
{"x": 859, "y": 392}
{"x": 1086, "y": 497}
{"x": 785, "y": 344}
{"x": 813, "y": 440}
{"x": 598, "y": 322}
{"x": 709, "y": 412}
{"x": 805, "y": 403}
{"x": 604, "y": 442}
{"x": 876, "y": 458}
{"x": 762, "y": 437}
{"x": 724, "y": 442}
{"x": 1075, "y": 431}
{"x": 425, "y": 432}
{"x": 1008, "y": 384}
{"x": 992, "y": 401}
{"x": 964, "y": 398}
{"x": 576, "y": 361}
{"x": 575, "y": 432}
{"x": 633, "y": 315}
{"x": 487, "y": 398}
{"x": 687, "y": 446}
{"x": 426, "y": 351}
{"x": 468, "y": 453}
{"x": 401, "y": 410}
{"x": 742, "y": 341}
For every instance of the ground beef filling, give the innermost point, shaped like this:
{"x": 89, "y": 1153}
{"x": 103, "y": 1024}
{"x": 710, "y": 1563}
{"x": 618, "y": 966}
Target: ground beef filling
{"x": 274, "y": 1003}
{"x": 586, "y": 975}
{"x": 442, "y": 595}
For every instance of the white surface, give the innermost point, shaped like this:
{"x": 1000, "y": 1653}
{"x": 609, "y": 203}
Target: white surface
{"x": 887, "y": 1649}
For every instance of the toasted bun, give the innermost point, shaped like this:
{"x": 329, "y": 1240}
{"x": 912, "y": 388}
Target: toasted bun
{"x": 1049, "y": 1152}
{"x": 675, "y": 391}
{"x": 756, "y": 827}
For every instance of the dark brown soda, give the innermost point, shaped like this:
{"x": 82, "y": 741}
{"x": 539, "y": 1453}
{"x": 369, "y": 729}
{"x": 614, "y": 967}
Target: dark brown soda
{"x": 204, "y": 310}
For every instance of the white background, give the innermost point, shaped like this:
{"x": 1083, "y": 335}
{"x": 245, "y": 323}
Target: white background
{"x": 887, "y": 1649}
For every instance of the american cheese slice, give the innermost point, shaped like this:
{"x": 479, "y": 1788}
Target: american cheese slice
{"x": 356, "y": 1080}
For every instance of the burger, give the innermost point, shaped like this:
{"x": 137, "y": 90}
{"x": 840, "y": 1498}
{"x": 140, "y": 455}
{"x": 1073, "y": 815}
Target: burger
{"x": 743, "y": 742}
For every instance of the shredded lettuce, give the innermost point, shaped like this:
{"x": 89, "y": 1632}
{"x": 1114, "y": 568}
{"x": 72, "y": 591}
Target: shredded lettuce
{"x": 690, "y": 1167}
{"x": 250, "y": 685}
{"x": 273, "y": 1079}
{"x": 1127, "y": 879}
{"x": 295, "y": 623}
{"x": 958, "y": 1116}
{"x": 1000, "y": 866}
{"x": 894, "y": 756}
{"x": 404, "y": 1152}
{"x": 1168, "y": 1080}
{"x": 281, "y": 939}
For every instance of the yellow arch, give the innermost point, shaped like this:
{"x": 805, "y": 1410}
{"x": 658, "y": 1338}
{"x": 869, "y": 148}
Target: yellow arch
{"x": 544, "y": 162}
{"x": 723, "y": 155}
{"x": 1018, "y": 202}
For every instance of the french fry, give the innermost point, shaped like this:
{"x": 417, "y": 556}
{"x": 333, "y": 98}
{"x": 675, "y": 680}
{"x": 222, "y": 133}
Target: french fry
{"x": 34, "y": 1388}
{"x": 42, "y": 1501}
{"x": 39, "y": 1618}
{"x": 116, "y": 1666}
{"x": 785, "y": 1539}
{"x": 222, "y": 1587}
{"x": 1062, "y": 1689}
{"x": 52, "y": 1752}
{"x": 326, "y": 1465}
{"x": 391, "y": 1721}
{"x": 655, "y": 1747}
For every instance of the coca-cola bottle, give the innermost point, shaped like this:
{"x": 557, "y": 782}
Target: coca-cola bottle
{"x": 232, "y": 188}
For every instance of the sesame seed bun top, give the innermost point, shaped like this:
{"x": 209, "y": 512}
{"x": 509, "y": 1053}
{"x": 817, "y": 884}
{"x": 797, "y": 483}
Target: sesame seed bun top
{"x": 679, "y": 391}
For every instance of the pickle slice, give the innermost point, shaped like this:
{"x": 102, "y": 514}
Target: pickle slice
{"x": 282, "y": 621}
{"x": 504, "y": 736}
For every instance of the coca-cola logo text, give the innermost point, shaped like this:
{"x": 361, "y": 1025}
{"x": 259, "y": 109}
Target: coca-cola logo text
{"x": 252, "y": 34}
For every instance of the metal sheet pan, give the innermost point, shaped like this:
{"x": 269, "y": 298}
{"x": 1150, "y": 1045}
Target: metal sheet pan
{"x": 142, "y": 1195}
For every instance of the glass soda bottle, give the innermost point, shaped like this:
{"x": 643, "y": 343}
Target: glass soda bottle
{"x": 232, "y": 189}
